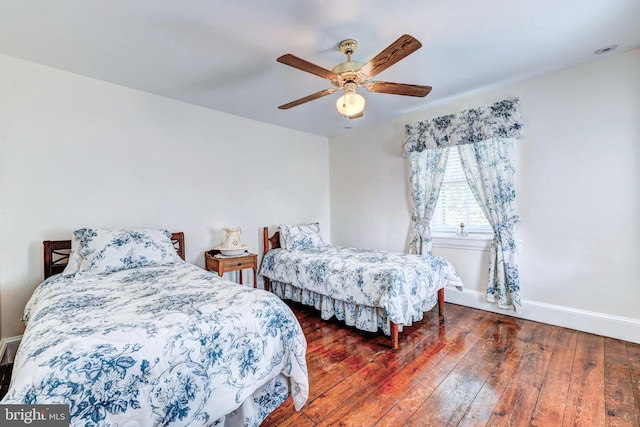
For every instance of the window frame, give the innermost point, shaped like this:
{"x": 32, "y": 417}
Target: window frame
{"x": 452, "y": 230}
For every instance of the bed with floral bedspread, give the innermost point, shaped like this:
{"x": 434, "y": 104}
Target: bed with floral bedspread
{"x": 167, "y": 344}
{"x": 368, "y": 289}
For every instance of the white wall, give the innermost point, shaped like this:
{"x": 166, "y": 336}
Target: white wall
{"x": 80, "y": 152}
{"x": 578, "y": 185}
{"x": 76, "y": 152}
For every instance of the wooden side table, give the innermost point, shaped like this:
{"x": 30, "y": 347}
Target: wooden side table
{"x": 223, "y": 265}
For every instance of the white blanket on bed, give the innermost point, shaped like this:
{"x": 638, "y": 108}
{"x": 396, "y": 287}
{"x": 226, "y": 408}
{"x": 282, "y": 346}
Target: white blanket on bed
{"x": 168, "y": 345}
{"x": 403, "y": 285}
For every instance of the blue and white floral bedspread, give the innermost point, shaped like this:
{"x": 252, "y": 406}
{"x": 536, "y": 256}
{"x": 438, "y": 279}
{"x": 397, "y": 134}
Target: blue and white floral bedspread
{"x": 403, "y": 285}
{"x": 164, "y": 345}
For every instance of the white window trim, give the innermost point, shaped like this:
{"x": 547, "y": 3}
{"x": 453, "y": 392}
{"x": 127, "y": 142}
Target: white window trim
{"x": 476, "y": 242}
{"x": 452, "y": 230}
{"x": 473, "y": 242}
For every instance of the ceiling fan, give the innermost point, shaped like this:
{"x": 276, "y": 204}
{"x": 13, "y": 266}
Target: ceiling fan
{"x": 349, "y": 76}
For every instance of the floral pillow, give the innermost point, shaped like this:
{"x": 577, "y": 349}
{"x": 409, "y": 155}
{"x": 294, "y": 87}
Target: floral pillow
{"x": 73, "y": 265}
{"x": 111, "y": 250}
{"x": 300, "y": 237}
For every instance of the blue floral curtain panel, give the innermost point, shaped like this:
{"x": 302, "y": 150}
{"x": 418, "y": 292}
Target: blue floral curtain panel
{"x": 487, "y": 166}
{"x": 427, "y": 171}
{"x": 484, "y": 137}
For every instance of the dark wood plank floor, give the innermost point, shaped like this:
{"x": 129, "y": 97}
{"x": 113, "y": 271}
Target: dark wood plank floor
{"x": 476, "y": 369}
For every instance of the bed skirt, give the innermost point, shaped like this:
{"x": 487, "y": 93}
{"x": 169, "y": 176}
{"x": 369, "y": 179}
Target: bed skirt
{"x": 362, "y": 317}
{"x": 256, "y": 407}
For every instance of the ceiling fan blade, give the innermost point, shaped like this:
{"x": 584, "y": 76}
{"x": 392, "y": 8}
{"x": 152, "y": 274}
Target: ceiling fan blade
{"x": 307, "y": 98}
{"x": 396, "y": 51}
{"x": 398, "y": 88}
{"x": 301, "y": 64}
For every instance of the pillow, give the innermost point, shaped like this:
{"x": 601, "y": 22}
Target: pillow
{"x": 73, "y": 265}
{"x": 111, "y": 250}
{"x": 300, "y": 237}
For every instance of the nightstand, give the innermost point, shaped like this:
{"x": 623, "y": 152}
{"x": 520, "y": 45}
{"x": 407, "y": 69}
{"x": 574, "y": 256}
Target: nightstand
{"x": 223, "y": 264}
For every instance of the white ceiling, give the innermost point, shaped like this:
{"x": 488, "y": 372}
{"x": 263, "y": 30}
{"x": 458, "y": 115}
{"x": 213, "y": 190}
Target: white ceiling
{"x": 222, "y": 55}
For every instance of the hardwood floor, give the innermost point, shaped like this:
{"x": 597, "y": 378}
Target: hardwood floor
{"x": 476, "y": 369}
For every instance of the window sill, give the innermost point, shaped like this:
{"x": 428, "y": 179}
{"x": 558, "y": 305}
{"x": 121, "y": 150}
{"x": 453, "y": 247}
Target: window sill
{"x": 476, "y": 242}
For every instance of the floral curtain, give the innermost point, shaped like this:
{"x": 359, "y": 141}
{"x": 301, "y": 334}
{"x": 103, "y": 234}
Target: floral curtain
{"x": 487, "y": 166}
{"x": 427, "y": 171}
{"x": 484, "y": 138}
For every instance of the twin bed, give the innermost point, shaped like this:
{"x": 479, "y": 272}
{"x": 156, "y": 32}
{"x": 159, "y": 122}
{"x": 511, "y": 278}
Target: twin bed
{"x": 127, "y": 333}
{"x": 368, "y": 289}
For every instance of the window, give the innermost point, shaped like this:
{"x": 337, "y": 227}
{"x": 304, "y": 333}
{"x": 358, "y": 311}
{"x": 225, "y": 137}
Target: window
{"x": 456, "y": 203}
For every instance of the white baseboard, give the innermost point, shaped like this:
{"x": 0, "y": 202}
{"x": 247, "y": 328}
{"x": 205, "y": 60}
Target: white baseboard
{"x": 623, "y": 328}
{"x": 8, "y": 349}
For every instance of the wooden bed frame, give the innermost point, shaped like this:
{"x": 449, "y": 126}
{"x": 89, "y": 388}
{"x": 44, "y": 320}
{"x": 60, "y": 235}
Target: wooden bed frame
{"x": 56, "y": 253}
{"x": 273, "y": 242}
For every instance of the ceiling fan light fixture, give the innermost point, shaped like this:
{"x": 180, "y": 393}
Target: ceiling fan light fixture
{"x": 350, "y": 104}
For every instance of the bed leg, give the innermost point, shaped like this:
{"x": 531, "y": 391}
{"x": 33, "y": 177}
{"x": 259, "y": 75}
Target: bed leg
{"x": 441, "y": 302}
{"x": 394, "y": 336}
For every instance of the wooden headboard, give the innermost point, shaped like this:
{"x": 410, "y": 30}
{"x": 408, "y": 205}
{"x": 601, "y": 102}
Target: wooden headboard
{"x": 269, "y": 243}
{"x": 56, "y": 253}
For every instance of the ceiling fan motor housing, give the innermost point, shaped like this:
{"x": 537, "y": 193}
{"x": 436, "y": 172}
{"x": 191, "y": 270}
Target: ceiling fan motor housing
{"x": 348, "y": 72}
